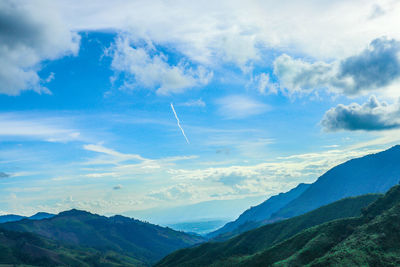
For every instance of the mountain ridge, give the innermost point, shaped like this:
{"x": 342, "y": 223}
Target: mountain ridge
{"x": 142, "y": 241}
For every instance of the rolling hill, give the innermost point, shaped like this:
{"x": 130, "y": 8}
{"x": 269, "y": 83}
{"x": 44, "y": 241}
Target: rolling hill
{"x": 27, "y": 249}
{"x": 257, "y": 240}
{"x": 144, "y": 242}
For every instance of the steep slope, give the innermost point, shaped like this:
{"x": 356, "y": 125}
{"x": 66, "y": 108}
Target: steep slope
{"x": 266, "y": 236}
{"x": 370, "y": 240}
{"x": 18, "y": 248}
{"x": 258, "y": 213}
{"x": 143, "y": 241}
{"x": 374, "y": 173}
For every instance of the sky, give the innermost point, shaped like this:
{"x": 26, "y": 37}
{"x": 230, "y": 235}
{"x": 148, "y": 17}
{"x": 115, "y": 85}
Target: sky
{"x": 136, "y": 106}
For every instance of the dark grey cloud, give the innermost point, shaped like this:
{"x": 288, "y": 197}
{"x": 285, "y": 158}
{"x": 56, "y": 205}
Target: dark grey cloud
{"x": 371, "y": 116}
{"x": 375, "y": 68}
{"x": 30, "y": 32}
{"x": 4, "y": 175}
{"x": 117, "y": 187}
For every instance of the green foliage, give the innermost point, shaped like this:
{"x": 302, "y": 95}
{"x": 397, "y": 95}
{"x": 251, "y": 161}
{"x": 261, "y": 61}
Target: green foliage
{"x": 238, "y": 249}
{"x": 94, "y": 240}
{"x": 372, "y": 239}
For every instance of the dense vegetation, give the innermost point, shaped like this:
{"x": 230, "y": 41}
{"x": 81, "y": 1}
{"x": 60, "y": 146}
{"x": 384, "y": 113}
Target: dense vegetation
{"x": 262, "y": 238}
{"x": 30, "y": 249}
{"x": 370, "y": 240}
{"x": 144, "y": 242}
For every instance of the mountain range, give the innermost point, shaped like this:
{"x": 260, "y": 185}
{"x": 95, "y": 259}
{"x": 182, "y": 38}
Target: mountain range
{"x": 342, "y": 219}
{"x": 374, "y": 173}
{"x": 135, "y": 240}
{"x": 257, "y": 240}
{"x": 14, "y": 218}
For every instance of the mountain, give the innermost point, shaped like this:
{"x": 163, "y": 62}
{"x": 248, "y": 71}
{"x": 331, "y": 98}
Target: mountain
{"x": 142, "y": 241}
{"x": 27, "y": 249}
{"x": 14, "y": 218}
{"x": 262, "y": 238}
{"x": 10, "y": 218}
{"x": 370, "y": 240}
{"x": 374, "y": 173}
{"x": 41, "y": 216}
{"x": 198, "y": 227}
{"x": 259, "y": 213}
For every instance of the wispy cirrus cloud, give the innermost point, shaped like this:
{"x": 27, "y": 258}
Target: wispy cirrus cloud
{"x": 193, "y": 103}
{"x": 240, "y": 106}
{"x": 37, "y": 127}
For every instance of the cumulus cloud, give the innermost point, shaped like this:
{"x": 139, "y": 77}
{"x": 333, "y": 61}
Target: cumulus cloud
{"x": 371, "y": 116}
{"x": 175, "y": 192}
{"x": 238, "y": 107}
{"x": 234, "y": 31}
{"x": 375, "y": 68}
{"x": 30, "y": 32}
{"x": 143, "y": 66}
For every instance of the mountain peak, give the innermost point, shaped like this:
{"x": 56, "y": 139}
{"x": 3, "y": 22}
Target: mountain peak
{"x": 75, "y": 212}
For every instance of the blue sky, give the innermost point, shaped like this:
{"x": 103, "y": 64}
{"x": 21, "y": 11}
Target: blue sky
{"x": 269, "y": 95}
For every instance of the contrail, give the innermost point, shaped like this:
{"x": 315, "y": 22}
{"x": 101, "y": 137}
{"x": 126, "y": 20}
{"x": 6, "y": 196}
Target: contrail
{"x": 179, "y": 124}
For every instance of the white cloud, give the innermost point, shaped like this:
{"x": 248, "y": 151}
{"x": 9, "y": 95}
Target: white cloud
{"x": 239, "y": 107}
{"x": 52, "y": 129}
{"x": 143, "y": 66}
{"x": 264, "y": 85}
{"x": 193, "y": 103}
{"x": 110, "y": 152}
{"x": 269, "y": 177}
{"x": 30, "y": 33}
{"x": 235, "y": 31}
{"x": 180, "y": 192}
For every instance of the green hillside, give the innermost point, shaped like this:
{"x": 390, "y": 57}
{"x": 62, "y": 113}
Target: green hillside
{"x": 370, "y": 240}
{"x": 25, "y": 249}
{"x": 259, "y": 239}
{"x": 144, "y": 242}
